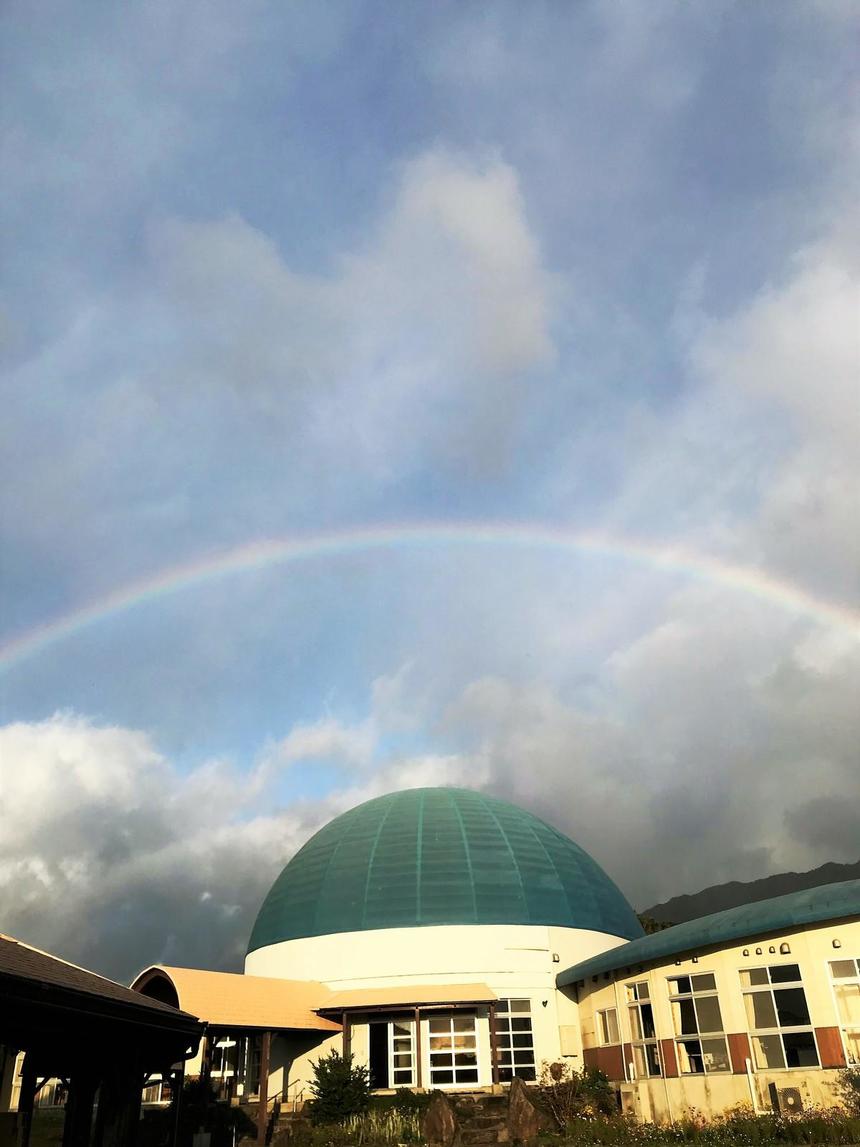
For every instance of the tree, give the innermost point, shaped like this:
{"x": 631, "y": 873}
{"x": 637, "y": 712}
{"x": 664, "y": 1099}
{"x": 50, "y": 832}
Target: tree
{"x": 340, "y": 1088}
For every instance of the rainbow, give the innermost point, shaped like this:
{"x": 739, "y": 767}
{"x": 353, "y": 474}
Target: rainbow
{"x": 270, "y": 552}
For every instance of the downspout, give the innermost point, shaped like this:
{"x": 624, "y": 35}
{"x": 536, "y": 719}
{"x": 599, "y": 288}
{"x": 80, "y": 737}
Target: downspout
{"x": 756, "y": 1106}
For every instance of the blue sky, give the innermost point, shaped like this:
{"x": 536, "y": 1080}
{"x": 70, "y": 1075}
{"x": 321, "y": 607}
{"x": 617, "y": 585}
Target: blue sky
{"x": 274, "y": 270}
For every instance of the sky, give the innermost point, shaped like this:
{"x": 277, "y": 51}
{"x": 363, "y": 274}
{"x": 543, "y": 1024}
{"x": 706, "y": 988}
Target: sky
{"x": 403, "y": 395}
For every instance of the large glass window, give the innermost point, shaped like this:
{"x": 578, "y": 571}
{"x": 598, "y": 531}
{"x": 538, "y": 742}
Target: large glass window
{"x": 515, "y": 1040}
{"x": 846, "y": 988}
{"x": 778, "y": 1018}
{"x": 646, "y": 1058}
{"x": 699, "y": 1039}
{"x": 453, "y": 1049}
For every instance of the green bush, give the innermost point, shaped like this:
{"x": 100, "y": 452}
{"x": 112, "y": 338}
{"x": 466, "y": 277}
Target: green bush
{"x": 340, "y": 1089}
{"x": 739, "y": 1128}
{"x": 565, "y": 1093}
{"x": 848, "y": 1089}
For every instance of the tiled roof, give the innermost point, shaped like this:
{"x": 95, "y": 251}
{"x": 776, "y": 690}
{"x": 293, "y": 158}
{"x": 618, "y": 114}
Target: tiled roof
{"x": 20, "y": 961}
{"x": 781, "y": 913}
{"x": 227, "y": 999}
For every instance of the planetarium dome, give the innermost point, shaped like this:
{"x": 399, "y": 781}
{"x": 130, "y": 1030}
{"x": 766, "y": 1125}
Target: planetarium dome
{"x": 439, "y": 856}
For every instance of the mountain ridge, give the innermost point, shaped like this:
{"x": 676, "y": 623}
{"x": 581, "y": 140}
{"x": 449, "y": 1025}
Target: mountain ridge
{"x": 719, "y": 897}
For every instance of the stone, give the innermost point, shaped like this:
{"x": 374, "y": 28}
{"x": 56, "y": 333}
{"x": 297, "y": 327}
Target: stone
{"x": 439, "y": 1125}
{"x": 524, "y": 1118}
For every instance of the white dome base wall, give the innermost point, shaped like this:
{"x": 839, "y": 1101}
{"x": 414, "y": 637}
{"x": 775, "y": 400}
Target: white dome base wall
{"x": 515, "y": 961}
{"x": 445, "y": 953}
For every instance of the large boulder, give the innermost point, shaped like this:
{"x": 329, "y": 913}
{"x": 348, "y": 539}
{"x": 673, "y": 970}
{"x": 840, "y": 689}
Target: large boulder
{"x": 524, "y": 1119}
{"x": 439, "y": 1125}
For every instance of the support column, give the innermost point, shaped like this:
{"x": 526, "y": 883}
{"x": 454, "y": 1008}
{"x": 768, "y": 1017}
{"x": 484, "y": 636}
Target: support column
{"x": 119, "y": 1105}
{"x": 263, "y": 1109}
{"x": 418, "y": 1072}
{"x": 177, "y": 1079}
{"x": 26, "y": 1100}
{"x": 77, "y": 1125}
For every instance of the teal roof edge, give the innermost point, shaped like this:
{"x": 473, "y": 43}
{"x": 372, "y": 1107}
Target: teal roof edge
{"x": 809, "y": 906}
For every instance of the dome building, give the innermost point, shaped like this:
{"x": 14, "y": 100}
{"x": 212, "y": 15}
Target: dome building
{"x": 450, "y": 940}
{"x": 438, "y": 920}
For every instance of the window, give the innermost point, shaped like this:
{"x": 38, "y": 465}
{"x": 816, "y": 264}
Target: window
{"x": 515, "y": 1040}
{"x": 646, "y": 1058}
{"x": 699, "y": 1038}
{"x": 778, "y": 1018}
{"x": 401, "y": 1064}
{"x": 453, "y": 1050}
{"x": 846, "y": 988}
{"x": 607, "y": 1027}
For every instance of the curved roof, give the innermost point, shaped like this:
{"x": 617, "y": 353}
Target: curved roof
{"x": 439, "y": 856}
{"x": 810, "y": 906}
{"x": 227, "y": 999}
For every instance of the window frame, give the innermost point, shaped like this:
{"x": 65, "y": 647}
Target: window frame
{"x": 505, "y": 1040}
{"x": 599, "y": 1015}
{"x": 395, "y": 1038}
{"x": 450, "y": 1018}
{"x": 852, "y": 1059}
{"x": 780, "y": 1031}
{"x": 643, "y": 1046}
{"x": 699, "y": 1036}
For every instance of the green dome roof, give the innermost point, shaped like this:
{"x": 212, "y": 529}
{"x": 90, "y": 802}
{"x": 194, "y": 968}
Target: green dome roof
{"x": 439, "y": 856}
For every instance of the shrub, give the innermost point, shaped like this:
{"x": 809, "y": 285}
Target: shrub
{"x": 737, "y": 1128}
{"x": 566, "y": 1093}
{"x": 340, "y": 1089}
{"x": 383, "y": 1127}
{"x": 408, "y": 1103}
{"x": 848, "y": 1089}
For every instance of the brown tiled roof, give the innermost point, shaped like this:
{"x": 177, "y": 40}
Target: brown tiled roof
{"x": 226, "y": 999}
{"x": 417, "y": 995}
{"x": 22, "y": 962}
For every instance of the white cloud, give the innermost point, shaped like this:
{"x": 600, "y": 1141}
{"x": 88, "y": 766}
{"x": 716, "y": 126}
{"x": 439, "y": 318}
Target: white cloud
{"x": 457, "y": 258}
{"x": 113, "y": 857}
{"x": 326, "y": 740}
{"x": 797, "y": 342}
{"x": 438, "y": 319}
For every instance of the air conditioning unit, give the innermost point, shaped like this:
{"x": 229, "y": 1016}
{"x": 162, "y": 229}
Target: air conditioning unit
{"x": 785, "y": 1100}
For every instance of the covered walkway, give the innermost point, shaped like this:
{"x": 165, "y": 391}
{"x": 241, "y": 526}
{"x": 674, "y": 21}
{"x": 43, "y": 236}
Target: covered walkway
{"x": 101, "y": 1038}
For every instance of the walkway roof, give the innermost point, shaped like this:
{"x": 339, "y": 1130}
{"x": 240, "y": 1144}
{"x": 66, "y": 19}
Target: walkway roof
{"x": 230, "y": 1000}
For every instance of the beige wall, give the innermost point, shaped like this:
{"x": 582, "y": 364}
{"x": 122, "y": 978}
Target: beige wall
{"x": 811, "y": 948}
{"x": 292, "y": 1058}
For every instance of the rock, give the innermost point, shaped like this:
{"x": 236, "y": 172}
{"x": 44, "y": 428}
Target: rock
{"x": 524, "y": 1119}
{"x": 439, "y": 1125}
